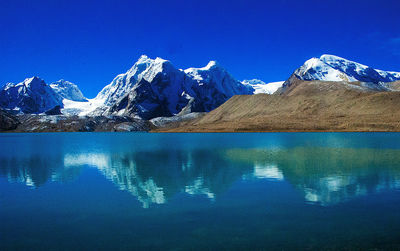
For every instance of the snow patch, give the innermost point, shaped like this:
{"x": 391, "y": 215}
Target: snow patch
{"x": 262, "y": 87}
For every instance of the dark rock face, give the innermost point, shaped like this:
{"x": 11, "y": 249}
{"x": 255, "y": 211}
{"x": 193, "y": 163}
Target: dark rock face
{"x": 147, "y": 102}
{"x": 54, "y": 111}
{"x": 7, "y": 121}
{"x": 89, "y": 126}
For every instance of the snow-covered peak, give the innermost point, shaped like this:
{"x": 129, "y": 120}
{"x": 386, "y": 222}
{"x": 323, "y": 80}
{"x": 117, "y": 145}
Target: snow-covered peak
{"x": 33, "y": 82}
{"x": 154, "y": 88}
{"x": 156, "y": 66}
{"x": 312, "y": 62}
{"x": 316, "y": 69}
{"x": 211, "y": 64}
{"x": 338, "y": 61}
{"x": 334, "y": 68}
{"x": 143, "y": 59}
{"x": 34, "y": 79}
{"x": 204, "y": 73}
{"x": 216, "y": 76}
{"x": 27, "y": 84}
{"x": 145, "y": 68}
{"x": 67, "y": 90}
{"x": 146, "y": 61}
{"x": 32, "y": 95}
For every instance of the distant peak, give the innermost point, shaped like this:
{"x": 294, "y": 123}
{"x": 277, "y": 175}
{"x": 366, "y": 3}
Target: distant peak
{"x": 253, "y": 81}
{"x": 211, "y": 64}
{"x": 330, "y": 57}
{"x": 312, "y": 62}
{"x": 143, "y": 57}
{"x": 33, "y": 79}
{"x": 62, "y": 82}
{"x": 160, "y": 60}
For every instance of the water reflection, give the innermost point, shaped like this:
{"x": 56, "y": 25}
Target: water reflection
{"x": 330, "y": 175}
{"x": 268, "y": 171}
{"x": 324, "y": 175}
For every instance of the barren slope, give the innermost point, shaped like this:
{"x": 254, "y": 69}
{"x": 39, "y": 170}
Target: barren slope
{"x": 304, "y": 106}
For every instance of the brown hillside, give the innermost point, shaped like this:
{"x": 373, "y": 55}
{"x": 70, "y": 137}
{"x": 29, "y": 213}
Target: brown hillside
{"x": 304, "y": 106}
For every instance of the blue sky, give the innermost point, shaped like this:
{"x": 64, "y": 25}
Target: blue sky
{"x": 90, "y": 42}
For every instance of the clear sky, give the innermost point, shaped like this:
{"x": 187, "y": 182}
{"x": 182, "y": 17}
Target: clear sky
{"x": 90, "y": 42}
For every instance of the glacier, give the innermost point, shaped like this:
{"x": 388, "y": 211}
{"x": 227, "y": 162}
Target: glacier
{"x": 68, "y": 90}
{"x": 260, "y": 87}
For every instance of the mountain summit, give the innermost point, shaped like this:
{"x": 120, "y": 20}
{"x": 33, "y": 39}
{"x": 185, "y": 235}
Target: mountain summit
{"x": 334, "y": 68}
{"x": 32, "y": 95}
{"x": 67, "y": 90}
{"x": 155, "y": 88}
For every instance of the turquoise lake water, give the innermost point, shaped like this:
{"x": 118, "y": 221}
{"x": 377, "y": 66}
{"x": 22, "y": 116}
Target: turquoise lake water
{"x": 141, "y": 191}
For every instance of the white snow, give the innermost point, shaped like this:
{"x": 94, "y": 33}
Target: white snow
{"x": 334, "y": 68}
{"x": 67, "y": 90}
{"x": 221, "y": 80}
{"x": 316, "y": 69}
{"x": 262, "y": 87}
{"x": 145, "y": 68}
{"x": 80, "y": 108}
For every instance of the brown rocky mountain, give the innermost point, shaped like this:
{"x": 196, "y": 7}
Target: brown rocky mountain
{"x": 304, "y": 106}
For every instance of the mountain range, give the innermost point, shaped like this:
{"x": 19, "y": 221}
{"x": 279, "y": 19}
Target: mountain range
{"x": 154, "y": 88}
{"x": 151, "y": 88}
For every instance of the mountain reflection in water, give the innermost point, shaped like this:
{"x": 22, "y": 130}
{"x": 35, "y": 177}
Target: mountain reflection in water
{"x": 324, "y": 175}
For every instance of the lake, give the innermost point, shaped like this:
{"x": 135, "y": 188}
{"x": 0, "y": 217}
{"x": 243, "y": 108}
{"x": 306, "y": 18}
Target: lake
{"x": 124, "y": 191}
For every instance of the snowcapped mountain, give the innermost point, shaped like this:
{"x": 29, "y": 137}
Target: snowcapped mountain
{"x": 122, "y": 83}
{"x": 68, "y": 90}
{"x": 333, "y": 68}
{"x": 32, "y": 95}
{"x": 210, "y": 86}
{"x": 155, "y": 88}
{"x": 217, "y": 78}
{"x": 151, "y": 88}
{"x": 262, "y": 87}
